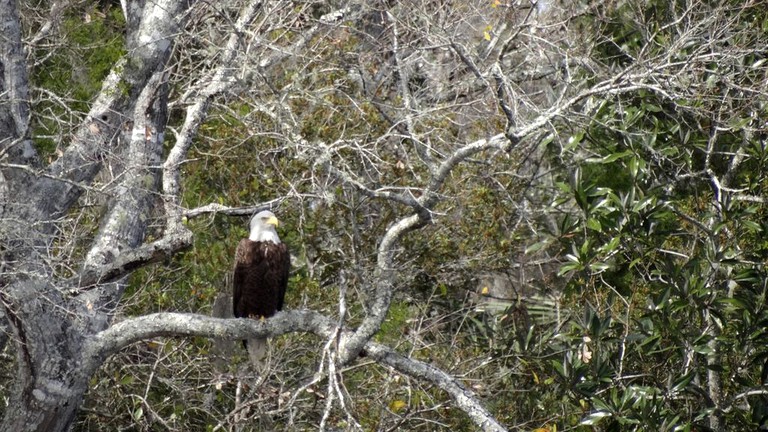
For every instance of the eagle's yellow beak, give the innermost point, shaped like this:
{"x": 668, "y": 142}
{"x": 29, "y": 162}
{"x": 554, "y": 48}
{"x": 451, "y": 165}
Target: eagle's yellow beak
{"x": 273, "y": 221}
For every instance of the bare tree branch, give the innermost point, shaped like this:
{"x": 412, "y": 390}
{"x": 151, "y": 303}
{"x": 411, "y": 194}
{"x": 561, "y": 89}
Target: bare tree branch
{"x": 130, "y": 260}
{"x": 216, "y": 208}
{"x": 134, "y": 330}
{"x": 219, "y": 82}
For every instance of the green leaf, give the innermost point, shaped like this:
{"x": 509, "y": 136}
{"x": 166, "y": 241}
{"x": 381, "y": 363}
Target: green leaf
{"x": 752, "y": 226}
{"x": 682, "y": 382}
{"x": 633, "y": 164}
{"x": 537, "y": 246}
{"x": 595, "y": 418}
{"x": 599, "y": 267}
{"x": 559, "y": 368}
{"x": 748, "y": 275}
{"x": 652, "y": 108}
{"x": 564, "y": 187}
{"x": 703, "y": 349}
{"x": 569, "y": 267}
{"x": 670, "y": 151}
{"x": 738, "y": 124}
{"x": 649, "y": 343}
{"x": 610, "y": 158}
{"x": 610, "y": 246}
{"x": 573, "y": 141}
{"x": 600, "y": 405}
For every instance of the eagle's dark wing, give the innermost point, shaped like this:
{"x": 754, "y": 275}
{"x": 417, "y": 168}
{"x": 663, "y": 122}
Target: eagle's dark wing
{"x": 259, "y": 279}
{"x": 282, "y": 266}
{"x": 243, "y": 277}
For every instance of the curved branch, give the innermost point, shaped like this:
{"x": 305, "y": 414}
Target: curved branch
{"x": 136, "y": 329}
{"x": 385, "y": 272}
{"x": 463, "y": 397}
{"x": 498, "y": 141}
{"x": 353, "y": 343}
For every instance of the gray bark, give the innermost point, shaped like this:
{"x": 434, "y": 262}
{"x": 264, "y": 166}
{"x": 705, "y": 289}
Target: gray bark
{"x": 15, "y": 144}
{"x": 50, "y": 318}
{"x": 50, "y": 380}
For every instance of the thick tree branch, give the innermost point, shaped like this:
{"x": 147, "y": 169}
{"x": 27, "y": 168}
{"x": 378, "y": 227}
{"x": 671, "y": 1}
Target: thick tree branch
{"x": 131, "y": 260}
{"x": 149, "y": 46}
{"x": 132, "y": 330}
{"x": 127, "y": 220}
{"x": 15, "y": 145}
{"x": 352, "y": 344}
{"x": 136, "y": 329}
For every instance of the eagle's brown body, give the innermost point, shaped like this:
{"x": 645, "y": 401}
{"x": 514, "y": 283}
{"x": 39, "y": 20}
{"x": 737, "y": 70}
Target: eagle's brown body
{"x": 259, "y": 278}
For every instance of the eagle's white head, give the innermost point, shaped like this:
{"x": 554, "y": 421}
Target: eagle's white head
{"x": 263, "y": 227}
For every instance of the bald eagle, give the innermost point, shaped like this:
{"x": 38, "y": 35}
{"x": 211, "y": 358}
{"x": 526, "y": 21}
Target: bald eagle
{"x": 260, "y": 277}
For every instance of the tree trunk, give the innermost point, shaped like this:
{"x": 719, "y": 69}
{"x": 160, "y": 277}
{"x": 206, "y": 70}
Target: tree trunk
{"x": 52, "y": 375}
{"x": 51, "y": 318}
{"x": 39, "y": 408}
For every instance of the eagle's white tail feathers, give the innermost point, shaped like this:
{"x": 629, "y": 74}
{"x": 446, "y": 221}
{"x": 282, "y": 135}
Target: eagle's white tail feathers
{"x": 257, "y": 351}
